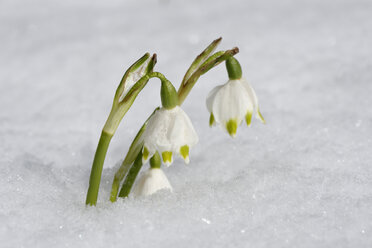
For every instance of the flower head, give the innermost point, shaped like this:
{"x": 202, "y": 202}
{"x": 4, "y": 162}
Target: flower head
{"x": 231, "y": 103}
{"x": 150, "y": 182}
{"x": 169, "y": 131}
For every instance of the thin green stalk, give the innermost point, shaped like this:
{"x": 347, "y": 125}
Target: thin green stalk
{"x": 131, "y": 177}
{"x": 95, "y": 174}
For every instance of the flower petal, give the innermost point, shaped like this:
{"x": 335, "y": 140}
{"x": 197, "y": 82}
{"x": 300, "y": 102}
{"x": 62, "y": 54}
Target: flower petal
{"x": 231, "y": 102}
{"x": 211, "y": 96}
{"x": 167, "y": 131}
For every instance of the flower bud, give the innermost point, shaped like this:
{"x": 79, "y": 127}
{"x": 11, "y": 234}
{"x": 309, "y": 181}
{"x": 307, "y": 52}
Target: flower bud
{"x": 155, "y": 161}
{"x": 233, "y": 68}
{"x": 169, "y": 97}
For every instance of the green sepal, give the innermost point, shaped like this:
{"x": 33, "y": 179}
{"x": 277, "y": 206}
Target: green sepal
{"x": 169, "y": 97}
{"x": 155, "y": 161}
{"x": 233, "y": 68}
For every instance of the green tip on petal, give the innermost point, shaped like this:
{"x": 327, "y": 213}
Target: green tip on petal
{"x": 232, "y": 126}
{"x": 248, "y": 118}
{"x": 145, "y": 154}
{"x": 184, "y": 151}
{"x": 167, "y": 158}
{"x": 211, "y": 120}
{"x": 260, "y": 116}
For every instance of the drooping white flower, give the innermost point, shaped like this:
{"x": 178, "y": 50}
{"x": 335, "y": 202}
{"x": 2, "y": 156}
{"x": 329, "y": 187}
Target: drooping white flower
{"x": 231, "y": 103}
{"x": 169, "y": 131}
{"x": 234, "y": 101}
{"x": 150, "y": 182}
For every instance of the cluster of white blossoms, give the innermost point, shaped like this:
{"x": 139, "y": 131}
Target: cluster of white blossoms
{"x": 169, "y": 131}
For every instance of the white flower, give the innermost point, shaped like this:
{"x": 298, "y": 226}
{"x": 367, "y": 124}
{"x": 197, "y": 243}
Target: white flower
{"x": 150, "y": 182}
{"x": 169, "y": 131}
{"x": 232, "y": 102}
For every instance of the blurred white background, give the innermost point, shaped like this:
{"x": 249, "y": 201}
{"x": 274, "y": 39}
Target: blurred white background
{"x": 301, "y": 180}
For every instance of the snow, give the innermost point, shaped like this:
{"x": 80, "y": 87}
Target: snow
{"x": 301, "y": 180}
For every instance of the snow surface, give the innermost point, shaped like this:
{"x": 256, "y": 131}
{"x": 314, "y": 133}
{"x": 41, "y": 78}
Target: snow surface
{"x": 302, "y": 180}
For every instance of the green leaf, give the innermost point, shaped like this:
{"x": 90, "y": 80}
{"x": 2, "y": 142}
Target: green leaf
{"x": 200, "y": 59}
{"x": 211, "y": 62}
{"x": 133, "y": 67}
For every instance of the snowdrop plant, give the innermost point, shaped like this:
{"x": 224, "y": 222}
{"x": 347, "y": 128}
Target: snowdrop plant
{"x": 168, "y": 131}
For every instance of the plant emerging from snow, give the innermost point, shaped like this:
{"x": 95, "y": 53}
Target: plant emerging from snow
{"x": 169, "y": 131}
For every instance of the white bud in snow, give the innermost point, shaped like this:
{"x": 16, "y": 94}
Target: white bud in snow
{"x": 231, "y": 103}
{"x": 169, "y": 131}
{"x": 150, "y": 182}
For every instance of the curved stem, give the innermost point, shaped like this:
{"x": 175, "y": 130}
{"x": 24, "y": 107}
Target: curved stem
{"x": 95, "y": 173}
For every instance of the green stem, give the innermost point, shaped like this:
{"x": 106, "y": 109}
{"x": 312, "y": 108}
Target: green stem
{"x": 95, "y": 173}
{"x": 131, "y": 177}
